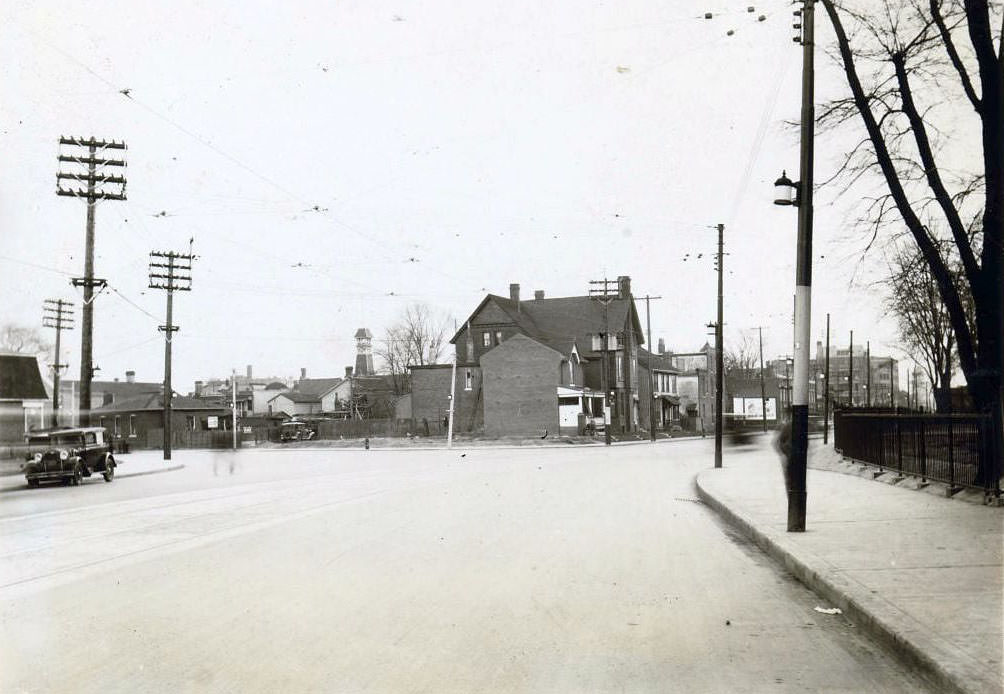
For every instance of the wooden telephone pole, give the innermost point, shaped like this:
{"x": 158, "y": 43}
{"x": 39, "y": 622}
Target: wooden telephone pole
{"x": 57, "y": 314}
{"x": 86, "y": 161}
{"x": 605, "y": 298}
{"x": 651, "y": 377}
{"x": 172, "y": 272}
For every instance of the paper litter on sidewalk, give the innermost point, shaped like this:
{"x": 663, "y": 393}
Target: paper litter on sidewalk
{"x": 828, "y": 610}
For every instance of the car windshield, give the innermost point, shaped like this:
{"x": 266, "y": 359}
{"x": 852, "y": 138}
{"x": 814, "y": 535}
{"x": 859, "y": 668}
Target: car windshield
{"x": 66, "y": 440}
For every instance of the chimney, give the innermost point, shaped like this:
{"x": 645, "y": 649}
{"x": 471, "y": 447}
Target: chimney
{"x": 348, "y": 372}
{"x": 130, "y": 376}
{"x": 303, "y": 373}
{"x": 624, "y": 287}
{"x": 538, "y": 295}
{"x": 662, "y": 346}
{"x": 249, "y": 372}
{"x": 198, "y": 388}
{"x": 514, "y": 294}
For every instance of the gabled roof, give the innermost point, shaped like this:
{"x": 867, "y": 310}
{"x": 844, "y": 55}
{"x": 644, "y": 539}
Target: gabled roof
{"x": 656, "y": 362}
{"x": 118, "y": 389}
{"x": 275, "y": 385}
{"x": 561, "y": 322}
{"x": 297, "y": 396}
{"x": 155, "y": 401}
{"x": 315, "y": 386}
{"x": 20, "y": 378}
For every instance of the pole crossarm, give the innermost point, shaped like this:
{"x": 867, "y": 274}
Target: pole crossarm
{"x": 91, "y": 142}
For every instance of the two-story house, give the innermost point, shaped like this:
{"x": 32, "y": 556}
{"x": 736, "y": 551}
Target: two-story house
{"x": 532, "y": 367}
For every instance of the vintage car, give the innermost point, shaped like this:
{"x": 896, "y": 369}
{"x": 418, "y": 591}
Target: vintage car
{"x": 68, "y": 455}
{"x": 295, "y": 430}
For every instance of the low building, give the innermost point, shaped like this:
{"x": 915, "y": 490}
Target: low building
{"x": 140, "y": 419}
{"x": 23, "y": 397}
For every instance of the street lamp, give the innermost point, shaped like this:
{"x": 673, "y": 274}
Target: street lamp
{"x": 799, "y": 195}
{"x": 785, "y": 191}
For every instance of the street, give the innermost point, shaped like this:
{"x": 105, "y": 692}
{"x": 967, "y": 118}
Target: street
{"x": 579, "y": 569}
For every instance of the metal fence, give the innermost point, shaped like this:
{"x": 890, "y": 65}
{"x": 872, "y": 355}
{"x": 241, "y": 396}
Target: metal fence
{"x": 956, "y": 449}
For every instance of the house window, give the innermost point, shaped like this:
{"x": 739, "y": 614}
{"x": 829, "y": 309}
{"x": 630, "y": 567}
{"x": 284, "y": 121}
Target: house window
{"x": 101, "y": 422}
{"x": 619, "y": 368}
{"x": 132, "y": 425}
{"x": 190, "y": 422}
{"x": 486, "y": 339}
{"x": 498, "y": 337}
{"x": 611, "y": 341}
{"x": 597, "y": 344}
{"x": 571, "y": 373}
{"x": 672, "y": 383}
{"x": 468, "y": 380}
{"x": 116, "y": 425}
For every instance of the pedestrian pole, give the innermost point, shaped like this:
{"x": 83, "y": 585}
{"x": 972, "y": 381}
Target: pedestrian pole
{"x": 453, "y": 390}
{"x": 763, "y": 390}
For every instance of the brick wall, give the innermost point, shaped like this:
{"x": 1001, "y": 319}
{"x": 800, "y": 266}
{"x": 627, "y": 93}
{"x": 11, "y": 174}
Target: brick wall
{"x": 520, "y": 388}
{"x": 430, "y": 388}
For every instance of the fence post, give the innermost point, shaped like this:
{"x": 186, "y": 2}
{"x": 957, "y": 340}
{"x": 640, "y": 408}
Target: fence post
{"x": 899, "y": 445}
{"x": 923, "y": 449}
{"x": 951, "y": 455}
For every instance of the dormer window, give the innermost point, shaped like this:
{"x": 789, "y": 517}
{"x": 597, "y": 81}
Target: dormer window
{"x": 486, "y": 339}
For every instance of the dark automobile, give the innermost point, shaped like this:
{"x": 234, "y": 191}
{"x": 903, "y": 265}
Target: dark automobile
{"x": 69, "y": 455}
{"x": 295, "y": 430}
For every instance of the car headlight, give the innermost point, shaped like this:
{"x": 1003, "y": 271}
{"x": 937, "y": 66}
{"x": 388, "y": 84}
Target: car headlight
{"x": 63, "y": 455}
{"x": 37, "y": 457}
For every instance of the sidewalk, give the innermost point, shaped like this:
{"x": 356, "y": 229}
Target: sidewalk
{"x": 922, "y": 573}
{"x": 129, "y": 465}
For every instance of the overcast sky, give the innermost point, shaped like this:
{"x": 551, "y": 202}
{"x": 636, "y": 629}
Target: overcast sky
{"x": 449, "y": 148}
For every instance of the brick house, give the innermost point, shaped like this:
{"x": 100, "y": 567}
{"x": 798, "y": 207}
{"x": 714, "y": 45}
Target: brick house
{"x": 554, "y": 370}
{"x": 23, "y": 397}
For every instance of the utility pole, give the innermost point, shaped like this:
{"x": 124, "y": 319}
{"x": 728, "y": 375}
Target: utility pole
{"x": 453, "y": 392}
{"x": 651, "y": 378}
{"x": 850, "y": 374}
{"x": 164, "y": 274}
{"x": 82, "y": 163}
{"x": 763, "y": 390}
{"x": 57, "y": 314}
{"x": 233, "y": 405}
{"x": 605, "y": 298}
{"x": 868, "y": 372}
{"x": 719, "y": 355}
{"x": 826, "y": 390}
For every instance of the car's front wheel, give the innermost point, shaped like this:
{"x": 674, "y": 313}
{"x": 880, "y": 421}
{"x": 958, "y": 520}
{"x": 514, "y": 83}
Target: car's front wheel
{"x": 109, "y": 473}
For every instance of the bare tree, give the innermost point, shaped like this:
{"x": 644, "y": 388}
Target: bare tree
{"x": 418, "y": 338}
{"x": 24, "y": 340}
{"x": 742, "y": 358}
{"x": 924, "y": 324}
{"x": 909, "y": 65}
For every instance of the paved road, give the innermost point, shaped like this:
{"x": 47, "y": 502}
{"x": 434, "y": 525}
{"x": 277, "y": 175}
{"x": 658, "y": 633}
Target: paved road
{"x": 579, "y": 570}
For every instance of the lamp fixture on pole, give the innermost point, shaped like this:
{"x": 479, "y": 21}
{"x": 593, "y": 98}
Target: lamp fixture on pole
{"x": 786, "y": 191}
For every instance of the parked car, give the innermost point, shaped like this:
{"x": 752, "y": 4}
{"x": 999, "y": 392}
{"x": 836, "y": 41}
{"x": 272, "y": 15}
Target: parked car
{"x": 68, "y": 455}
{"x": 295, "y": 430}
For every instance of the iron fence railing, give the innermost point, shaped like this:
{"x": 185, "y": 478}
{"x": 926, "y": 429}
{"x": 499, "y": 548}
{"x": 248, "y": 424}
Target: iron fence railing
{"x": 957, "y": 449}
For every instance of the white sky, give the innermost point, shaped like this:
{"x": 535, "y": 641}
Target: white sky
{"x": 452, "y": 147}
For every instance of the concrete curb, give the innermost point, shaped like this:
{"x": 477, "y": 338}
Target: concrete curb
{"x": 7, "y": 487}
{"x": 151, "y": 472}
{"x": 913, "y": 642}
